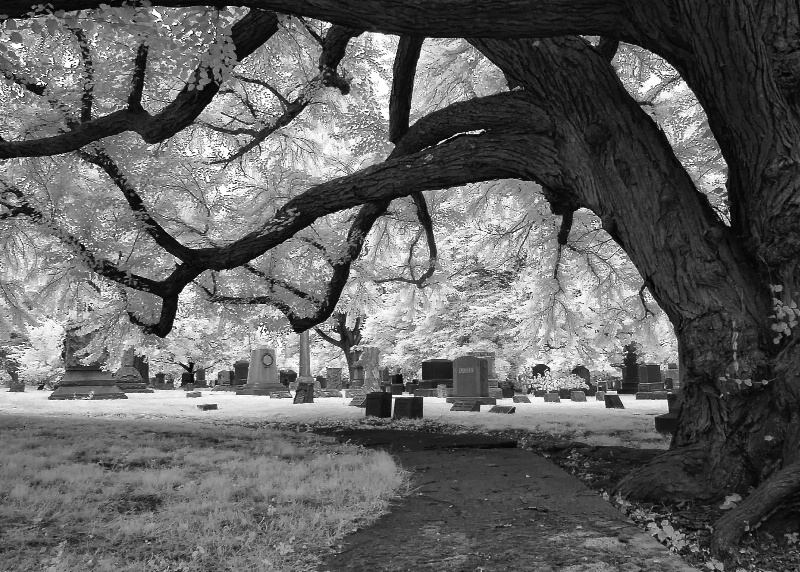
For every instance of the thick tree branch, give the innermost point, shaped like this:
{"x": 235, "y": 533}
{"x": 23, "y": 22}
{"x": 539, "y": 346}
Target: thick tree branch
{"x": 247, "y": 34}
{"x": 137, "y": 79}
{"x": 87, "y": 99}
{"x": 404, "y": 70}
{"x": 444, "y": 18}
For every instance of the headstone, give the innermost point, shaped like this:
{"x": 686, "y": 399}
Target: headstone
{"x": 207, "y": 406}
{"x": 378, "y": 404}
{"x": 507, "y": 409}
{"x": 262, "y": 373}
{"x": 358, "y": 375}
{"x": 613, "y": 402}
{"x": 225, "y": 381}
{"x": 577, "y": 396}
{"x": 334, "y": 375}
{"x": 396, "y": 388}
{"x": 194, "y": 394}
{"x": 200, "y": 378}
{"x": 466, "y": 405}
{"x": 552, "y": 398}
{"x": 443, "y": 391}
{"x": 288, "y": 376}
{"x": 408, "y": 408}
{"x": 437, "y": 371}
{"x": 470, "y": 377}
{"x": 410, "y": 387}
{"x": 396, "y": 378}
{"x": 507, "y": 392}
{"x": 241, "y": 370}
{"x": 654, "y": 373}
{"x": 187, "y": 379}
{"x": 143, "y": 365}
{"x": 672, "y": 375}
{"x": 522, "y": 399}
{"x": 304, "y": 392}
{"x": 384, "y": 375}
{"x": 630, "y": 371}
{"x": 84, "y": 381}
{"x": 600, "y": 395}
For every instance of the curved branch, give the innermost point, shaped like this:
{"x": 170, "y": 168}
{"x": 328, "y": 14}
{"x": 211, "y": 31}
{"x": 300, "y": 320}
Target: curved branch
{"x": 87, "y": 99}
{"x": 247, "y": 34}
{"x": 137, "y": 79}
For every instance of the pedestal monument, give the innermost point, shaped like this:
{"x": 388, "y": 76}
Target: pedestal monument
{"x": 84, "y": 381}
{"x": 128, "y": 378}
{"x": 262, "y": 375}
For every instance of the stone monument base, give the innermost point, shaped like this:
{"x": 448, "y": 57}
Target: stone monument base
{"x": 227, "y": 387}
{"x": 87, "y": 384}
{"x": 481, "y": 400}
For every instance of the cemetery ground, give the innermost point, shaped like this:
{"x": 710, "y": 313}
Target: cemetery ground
{"x": 154, "y": 483}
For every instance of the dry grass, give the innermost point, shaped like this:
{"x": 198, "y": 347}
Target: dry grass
{"x": 166, "y": 496}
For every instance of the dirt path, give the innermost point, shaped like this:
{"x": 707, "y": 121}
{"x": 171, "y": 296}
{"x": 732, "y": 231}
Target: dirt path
{"x": 493, "y": 509}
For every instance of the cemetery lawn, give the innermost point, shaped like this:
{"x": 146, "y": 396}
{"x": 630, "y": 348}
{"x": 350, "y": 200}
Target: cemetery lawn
{"x": 145, "y": 494}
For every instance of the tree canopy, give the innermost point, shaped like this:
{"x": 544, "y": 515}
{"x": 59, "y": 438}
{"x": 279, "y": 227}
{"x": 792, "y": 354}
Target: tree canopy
{"x": 247, "y": 153}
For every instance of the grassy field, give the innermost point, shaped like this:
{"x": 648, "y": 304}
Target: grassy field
{"x": 157, "y": 495}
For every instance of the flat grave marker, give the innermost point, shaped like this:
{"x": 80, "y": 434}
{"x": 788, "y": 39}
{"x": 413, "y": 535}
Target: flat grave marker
{"x": 507, "y": 409}
{"x": 613, "y": 402}
{"x": 466, "y": 406}
{"x": 207, "y": 406}
{"x": 522, "y": 399}
{"x": 552, "y": 398}
{"x": 193, "y": 394}
{"x": 280, "y": 395}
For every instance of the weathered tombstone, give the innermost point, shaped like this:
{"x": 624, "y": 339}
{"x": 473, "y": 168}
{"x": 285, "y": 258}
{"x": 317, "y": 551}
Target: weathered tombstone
{"x": 241, "y": 369}
{"x": 187, "y": 379}
{"x": 654, "y": 373}
{"x": 435, "y": 372}
{"x": 552, "y": 398}
{"x": 142, "y": 364}
{"x": 385, "y": 375}
{"x": 194, "y": 394}
{"x": 443, "y": 391}
{"x": 200, "y": 378}
{"x": 280, "y": 395}
{"x": 408, "y": 408}
{"x": 396, "y": 388}
{"x": 630, "y": 371}
{"x": 321, "y": 381}
{"x": 521, "y": 399}
{"x": 84, "y": 381}
{"x": 223, "y": 378}
{"x": 577, "y": 396}
{"x": 613, "y": 402}
{"x": 472, "y": 405}
{"x": 378, "y": 404}
{"x": 672, "y": 376}
{"x": 507, "y": 409}
{"x": 470, "y": 377}
{"x": 128, "y": 378}
{"x": 358, "y": 375}
{"x": 207, "y": 406}
{"x": 539, "y": 369}
{"x": 334, "y": 377}
{"x": 600, "y": 395}
{"x": 262, "y": 374}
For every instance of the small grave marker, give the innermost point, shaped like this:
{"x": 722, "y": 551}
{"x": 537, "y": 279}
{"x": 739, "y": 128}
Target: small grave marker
{"x": 407, "y": 408}
{"x": 358, "y": 401}
{"x": 552, "y": 398}
{"x": 508, "y": 409}
{"x": 521, "y": 399}
{"x": 613, "y": 402}
{"x": 207, "y": 406}
{"x": 577, "y": 396}
{"x": 466, "y": 406}
{"x": 280, "y": 395}
{"x": 600, "y": 395}
{"x": 193, "y": 394}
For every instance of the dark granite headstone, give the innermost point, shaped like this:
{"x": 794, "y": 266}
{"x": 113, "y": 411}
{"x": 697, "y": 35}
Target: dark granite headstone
{"x": 200, "y": 378}
{"x": 507, "y": 409}
{"x": 396, "y": 388}
{"x": 630, "y": 371}
{"x": 522, "y": 399}
{"x": 437, "y": 371}
{"x": 666, "y": 423}
{"x": 379, "y": 404}
{"x": 207, "y": 406}
{"x": 193, "y": 394}
{"x": 241, "y": 369}
{"x": 396, "y": 378}
{"x": 470, "y": 377}
{"x": 408, "y": 408}
{"x": 613, "y": 402}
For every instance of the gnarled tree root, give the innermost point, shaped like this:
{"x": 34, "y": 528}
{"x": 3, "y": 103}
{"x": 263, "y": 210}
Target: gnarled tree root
{"x": 729, "y": 529}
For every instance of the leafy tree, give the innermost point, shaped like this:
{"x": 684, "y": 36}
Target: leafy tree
{"x": 118, "y": 86}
